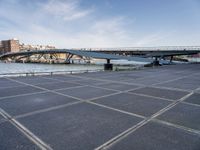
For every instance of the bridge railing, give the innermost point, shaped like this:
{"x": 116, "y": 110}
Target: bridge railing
{"x": 159, "y": 48}
{"x": 48, "y": 73}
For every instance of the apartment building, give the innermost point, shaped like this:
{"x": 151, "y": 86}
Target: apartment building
{"x": 11, "y": 45}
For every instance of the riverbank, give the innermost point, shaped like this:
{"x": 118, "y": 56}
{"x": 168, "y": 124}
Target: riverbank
{"x": 29, "y": 69}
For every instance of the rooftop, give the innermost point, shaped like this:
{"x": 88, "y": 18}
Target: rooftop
{"x": 150, "y": 109}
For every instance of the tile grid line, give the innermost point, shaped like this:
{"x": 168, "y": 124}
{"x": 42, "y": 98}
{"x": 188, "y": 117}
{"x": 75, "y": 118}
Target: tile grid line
{"x": 104, "y": 95}
{"x": 19, "y": 95}
{"x": 109, "y": 94}
{"x": 121, "y": 76}
{"x": 81, "y": 101}
{"x": 90, "y": 101}
{"x": 197, "y": 89}
{"x": 42, "y": 145}
{"x": 177, "y": 78}
{"x": 134, "y": 128}
{"x": 44, "y": 89}
{"x": 135, "y": 89}
{"x": 47, "y": 109}
{"x": 170, "y": 88}
{"x": 57, "y": 107}
{"x": 25, "y": 131}
{"x": 103, "y": 80}
{"x": 128, "y": 91}
{"x": 148, "y": 77}
{"x": 57, "y": 90}
{"x": 177, "y": 126}
{"x": 125, "y": 82}
{"x": 152, "y": 84}
{"x": 118, "y": 91}
{"x": 192, "y": 104}
{"x": 11, "y": 87}
{"x": 144, "y": 95}
{"x": 73, "y": 103}
{"x": 62, "y": 106}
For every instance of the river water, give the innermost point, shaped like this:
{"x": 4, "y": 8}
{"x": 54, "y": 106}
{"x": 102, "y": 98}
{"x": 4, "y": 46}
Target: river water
{"x": 10, "y": 68}
{"x": 17, "y": 68}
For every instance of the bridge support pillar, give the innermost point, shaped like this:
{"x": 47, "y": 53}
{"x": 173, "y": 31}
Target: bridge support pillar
{"x": 156, "y": 62}
{"x": 171, "y": 59}
{"x": 67, "y": 61}
{"x": 108, "y": 65}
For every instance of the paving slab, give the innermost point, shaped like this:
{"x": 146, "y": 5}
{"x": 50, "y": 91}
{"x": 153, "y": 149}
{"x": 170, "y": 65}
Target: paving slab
{"x": 156, "y": 136}
{"x": 118, "y": 86}
{"x": 153, "y": 79}
{"x": 1, "y": 118}
{"x": 86, "y": 92}
{"x": 96, "y": 74}
{"x": 162, "y": 93}
{"x": 7, "y": 84}
{"x": 139, "y": 105}
{"x": 81, "y": 126}
{"x": 58, "y": 85}
{"x": 145, "y": 81}
{"x": 196, "y": 76}
{"x": 13, "y": 139}
{"x": 198, "y": 91}
{"x": 2, "y": 121}
{"x": 29, "y": 103}
{"x": 33, "y": 80}
{"x": 90, "y": 82}
{"x": 18, "y": 91}
{"x": 2, "y": 79}
{"x": 64, "y": 77}
{"x": 183, "y": 115}
{"x": 185, "y": 83}
{"x": 120, "y": 78}
{"x": 130, "y": 75}
{"x": 194, "y": 98}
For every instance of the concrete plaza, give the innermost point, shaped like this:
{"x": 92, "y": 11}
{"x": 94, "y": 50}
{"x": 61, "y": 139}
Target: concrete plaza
{"x": 149, "y": 109}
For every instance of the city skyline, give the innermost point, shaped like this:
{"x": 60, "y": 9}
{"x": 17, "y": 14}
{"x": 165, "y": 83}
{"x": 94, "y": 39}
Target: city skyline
{"x": 106, "y": 23}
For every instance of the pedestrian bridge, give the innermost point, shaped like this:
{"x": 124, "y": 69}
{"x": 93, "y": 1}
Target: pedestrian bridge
{"x": 81, "y": 53}
{"x": 146, "y": 56}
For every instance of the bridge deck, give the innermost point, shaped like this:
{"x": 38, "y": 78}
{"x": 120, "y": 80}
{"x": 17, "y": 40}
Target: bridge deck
{"x": 146, "y": 109}
{"x": 147, "y": 58}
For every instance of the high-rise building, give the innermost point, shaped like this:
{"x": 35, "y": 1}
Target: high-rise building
{"x": 9, "y": 46}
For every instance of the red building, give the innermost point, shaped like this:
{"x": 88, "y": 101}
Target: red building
{"x": 9, "y": 46}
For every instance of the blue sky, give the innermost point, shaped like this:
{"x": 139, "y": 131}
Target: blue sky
{"x": 101, "y": 23}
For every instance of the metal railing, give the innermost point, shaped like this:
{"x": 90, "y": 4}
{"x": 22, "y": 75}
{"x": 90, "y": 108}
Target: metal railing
{"x": 158, "y": 48}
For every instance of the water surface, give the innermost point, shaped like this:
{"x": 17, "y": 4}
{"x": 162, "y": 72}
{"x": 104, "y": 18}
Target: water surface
{"x": 6, "y": 68}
